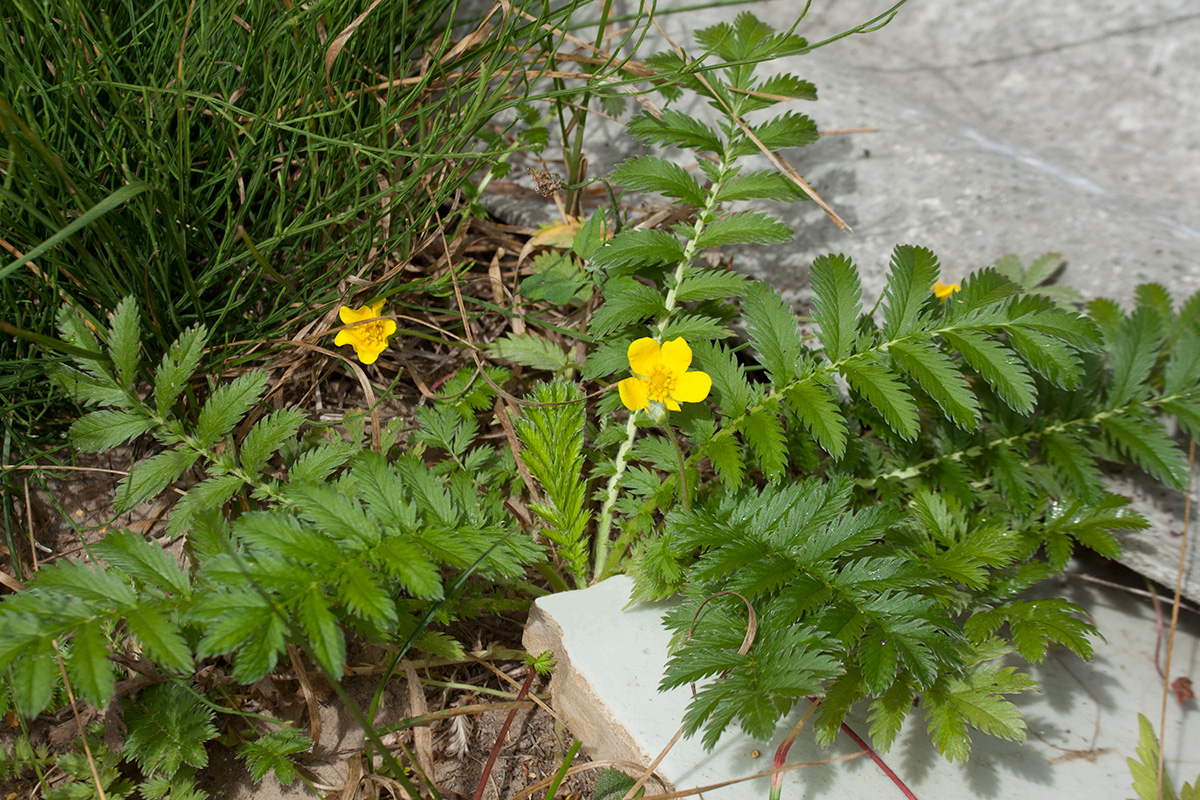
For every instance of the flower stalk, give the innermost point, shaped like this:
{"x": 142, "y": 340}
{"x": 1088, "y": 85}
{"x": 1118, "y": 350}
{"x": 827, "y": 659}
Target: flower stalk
{"x": 610, "y": 499}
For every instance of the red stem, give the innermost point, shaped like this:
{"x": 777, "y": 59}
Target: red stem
{"x": 878, "y": 762}
{"x": 491, "y": 762}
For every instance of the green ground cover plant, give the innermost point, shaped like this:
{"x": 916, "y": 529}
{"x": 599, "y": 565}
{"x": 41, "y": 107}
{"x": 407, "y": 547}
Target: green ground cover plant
{"x": 868, "y": 490}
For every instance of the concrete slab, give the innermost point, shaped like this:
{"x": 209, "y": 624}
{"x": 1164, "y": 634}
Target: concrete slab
{"x": 1082, "y": 726}
{"x": 1028, "y": 128}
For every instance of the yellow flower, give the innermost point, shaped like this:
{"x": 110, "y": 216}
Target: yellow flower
{"x": 370, "y": 338}
{"x": 943, "y": 290}
{"x": 661, "y": 376}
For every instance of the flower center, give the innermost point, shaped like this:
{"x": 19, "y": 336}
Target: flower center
{"x": 372, "y": 333}
{"x": 662, "y": 383}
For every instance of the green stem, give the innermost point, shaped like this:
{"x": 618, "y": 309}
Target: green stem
{"x": 913, "y": 471}
{"x": 610, "y": 500}
{"x": 689, "y": 252}
{"x": 552, "y": 790}
{"x": 547, "y": 571}
{"x": 683, "y": 484}
{"x": 575, "y": 152}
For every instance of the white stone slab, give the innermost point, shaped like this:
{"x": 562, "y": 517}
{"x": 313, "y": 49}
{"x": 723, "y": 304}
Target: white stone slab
{"x": 1083, "y": 725}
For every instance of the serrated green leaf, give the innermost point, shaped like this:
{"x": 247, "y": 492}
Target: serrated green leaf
{"x": 1153, "y": 298}
{"x": 160, "y": 637}
{"x": 82, "y": 583}
{"x": 1073, "y": 462}
{"x": 773, "y": 331}
{"x": 1145, "y": 770}
{"x": 269, "y": 753}
{"x": 1148, "y": 445}
{"x": 878, "y": 659}
{"x": 764, "y": 434}
{"x": 211, "y": 494}
{"x": 1048, "y": 357}
{"x": 1042, "y": 269}
{"x": 258, "y": 654}
{"x": 34, "y": 676}
{"x": 1132, "y": 356}
{"x": 147, "y": 562}
{"x": 178, "y": 366}
{"x": 709, "y": 284}
{"x": 610, "y": 357}
{"x": 230, "y": 618}
{"x": 227, "y": 405}
{"x": 936, "y": 374}
{"x": 759, "y": 185}
{"x": 694, "y": 328}
{"x": 326, "y": 642}
{"x": 267, "y": 436}
{"x": 974, "y": 700}
{"x": 1183, "y": 367}
{"x": 911, "y": 276}
{"x": 787, "y": 85}
{"x": 812, "y": 403}
{"x": 652, "y": 174}
{"x": 148, "y": 478}
{"x": 167, "y": 728}
{"x": 726, "y": 458}
{"x": 612, "y": 784}
{"x": 411, "y": 565}
{"x": 88, "y": 666}
{"x": 748, "y": 226}
{"x": 359, "y": 591}
{"x": 979, "y": 300}
{"x": 728, "y": 377}
{"x": 1186, "y": 413}
{"x": 837, "y": 302}
{"x": 103, "y": 430}
{"x": 996, "y": 364}
{"x": 1036, "y": 623}
{"x": 530, "y": 351}
{"x": 630, "y": 302}
{"x": 124, "y": 341}
{"x": 1039, "y": 313}
{"x": 592, "y": 235}
{"x": 786, "y": 130}
{"x": 85, "y": 389}
{"x": 887, "y": 714}
{"x": 319, "y": 463}
{"x": 675, "y": 128}
{"x": 558, "y": 279}
{"x": 884, "y": 391}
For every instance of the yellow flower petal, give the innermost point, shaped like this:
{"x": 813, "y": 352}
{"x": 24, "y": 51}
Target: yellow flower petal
{"x": 368, "y": 354}
{"x": 644, "y": 356}
{"x": 676, "y": 356}
{"x": 368, "y": 339}
{"x": 635, "y": 393}
{"x": 942, "y": 291}
{"x": 349, "y": 315}
{"x": 692, "y": 387}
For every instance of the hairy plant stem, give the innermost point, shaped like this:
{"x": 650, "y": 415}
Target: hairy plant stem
{"x": 689, "y": 252}
{"x": 610, "y": 499}
{"x": 669, "y": 305}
